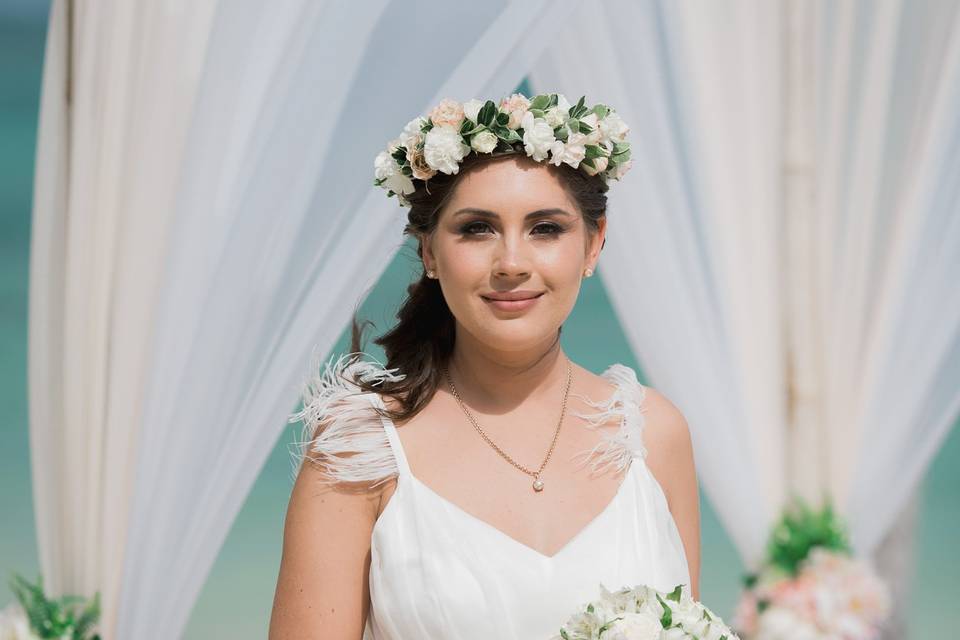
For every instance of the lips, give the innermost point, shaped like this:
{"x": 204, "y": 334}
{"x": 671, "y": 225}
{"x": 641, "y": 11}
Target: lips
{"x": 513, "y": 300}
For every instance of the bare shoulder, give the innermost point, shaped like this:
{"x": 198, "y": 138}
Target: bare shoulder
{"x": 666, "y": 435}
{"x": 670, "y": 459}
{"x": 665, "y": 426}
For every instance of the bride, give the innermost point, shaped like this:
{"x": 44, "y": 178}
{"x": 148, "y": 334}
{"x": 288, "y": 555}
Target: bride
{"x": 481, "y": 484}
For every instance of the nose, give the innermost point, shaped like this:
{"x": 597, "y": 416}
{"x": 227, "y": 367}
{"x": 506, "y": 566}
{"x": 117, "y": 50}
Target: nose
{"x": 511, "y": 259}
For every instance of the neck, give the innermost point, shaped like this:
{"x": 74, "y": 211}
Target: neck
{"x": 496, "y": 380}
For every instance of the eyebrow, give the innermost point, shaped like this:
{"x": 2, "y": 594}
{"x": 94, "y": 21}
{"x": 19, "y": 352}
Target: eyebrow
{"x": 493, "y": 214}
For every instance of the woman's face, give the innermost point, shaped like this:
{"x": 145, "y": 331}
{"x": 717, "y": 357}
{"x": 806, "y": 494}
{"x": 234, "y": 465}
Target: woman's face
{"x": 510, "y": 228}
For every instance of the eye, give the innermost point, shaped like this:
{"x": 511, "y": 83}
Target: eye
{"x": 466, "y": 229}
{"x": 543, "y": 228}
{"x": 548, "y": 228}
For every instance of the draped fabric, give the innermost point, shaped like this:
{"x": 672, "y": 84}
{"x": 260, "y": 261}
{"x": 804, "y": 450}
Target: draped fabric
{"x": 205, "y": 215}
{"x": 691, "y": 259}
{"x": 886, "y": 249}
{"x": 704, "y": 225}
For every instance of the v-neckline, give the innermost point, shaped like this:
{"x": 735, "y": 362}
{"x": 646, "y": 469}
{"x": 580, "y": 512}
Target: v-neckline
{"x": 582, "y": 533}
{"x": 407, "y": 474}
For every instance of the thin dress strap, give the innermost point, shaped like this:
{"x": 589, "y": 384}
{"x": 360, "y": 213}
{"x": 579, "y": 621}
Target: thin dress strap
{"x": 391, "y": 430}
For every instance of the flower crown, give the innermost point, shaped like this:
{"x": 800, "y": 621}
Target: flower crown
{"x": 546, "y": 125}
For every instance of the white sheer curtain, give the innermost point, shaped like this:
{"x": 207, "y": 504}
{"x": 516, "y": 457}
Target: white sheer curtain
{"x": 205, "y": 216}
{"x": 695, "y": 264}
{"x": 691, "y": 260}
{"x": 115, "y": 105}
{"x": 887, "y": 248}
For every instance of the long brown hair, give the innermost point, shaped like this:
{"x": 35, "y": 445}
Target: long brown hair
{"x": 421, "y": 343}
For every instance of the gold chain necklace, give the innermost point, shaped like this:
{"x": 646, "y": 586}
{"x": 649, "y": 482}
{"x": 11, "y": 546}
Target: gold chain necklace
{"x": 537, "y": 482}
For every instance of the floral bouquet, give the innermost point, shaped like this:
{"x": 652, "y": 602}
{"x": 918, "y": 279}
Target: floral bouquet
{"x": 35, "y": 616}
{"x": 643, "y": 613}
{"x": 811, "y": 587}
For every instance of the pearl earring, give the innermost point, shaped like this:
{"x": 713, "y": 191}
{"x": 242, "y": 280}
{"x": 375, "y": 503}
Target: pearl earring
{"x": 588, "y": 272}
{"x": 431, "y": 273}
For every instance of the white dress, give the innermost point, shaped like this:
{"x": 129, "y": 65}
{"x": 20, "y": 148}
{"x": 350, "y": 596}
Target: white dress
{"x": 439, "y": 572}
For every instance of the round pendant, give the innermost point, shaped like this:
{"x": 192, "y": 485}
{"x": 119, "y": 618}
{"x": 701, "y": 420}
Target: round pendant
{"x": 538, "y": 485}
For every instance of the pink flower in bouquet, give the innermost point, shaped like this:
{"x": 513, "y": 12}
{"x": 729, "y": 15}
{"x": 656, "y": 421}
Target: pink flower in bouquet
{"x": 745, "y": 615}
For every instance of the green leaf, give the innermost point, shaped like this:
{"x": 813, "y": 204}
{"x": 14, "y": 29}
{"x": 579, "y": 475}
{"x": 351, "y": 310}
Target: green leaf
{"x": 541, "y": 103}
{"x": 579, "y": 110}
{"x": 601, "y": 110}
{"x": 675, "y": 594}
{"x": 503, "y": 118}
{"x": 667, "y": 619}
{"x": 487, "y": 113}
{"x": 800, "y": 529}
{"x": 593, "y": 151}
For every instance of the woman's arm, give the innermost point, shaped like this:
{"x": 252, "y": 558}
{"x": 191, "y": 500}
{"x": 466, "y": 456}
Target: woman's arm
{"x": 670, "y": 458}
{"x": 323, "y": 589}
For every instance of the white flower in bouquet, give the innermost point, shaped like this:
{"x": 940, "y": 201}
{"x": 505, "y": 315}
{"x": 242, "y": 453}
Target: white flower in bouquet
{"x": 643, "y": 613}
{"x": 834, "y": 595}
{"x": 14, "y": 624}
{"x": 780, "y": 623}
{"x": 634, "y": 626}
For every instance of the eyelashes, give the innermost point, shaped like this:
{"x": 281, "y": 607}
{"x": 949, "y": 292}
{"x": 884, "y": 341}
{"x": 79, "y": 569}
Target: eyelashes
{"x": 545, "y": 228}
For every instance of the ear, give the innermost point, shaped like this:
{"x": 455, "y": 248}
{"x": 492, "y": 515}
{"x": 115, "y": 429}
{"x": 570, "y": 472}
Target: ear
{"x": 426, "y": 252}
{"x": 595, "y": 243}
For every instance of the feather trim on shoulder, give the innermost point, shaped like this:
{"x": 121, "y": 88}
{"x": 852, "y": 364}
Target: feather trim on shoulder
{"x": 342, "y": 432}
{"x": 616, "y": 449}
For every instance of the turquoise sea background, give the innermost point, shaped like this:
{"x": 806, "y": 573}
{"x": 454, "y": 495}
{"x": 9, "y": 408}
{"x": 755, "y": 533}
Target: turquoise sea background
{"x": 237, "y": 598}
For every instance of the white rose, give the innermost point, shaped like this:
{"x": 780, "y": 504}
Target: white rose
{"x": 621, "y": 169}
{"x": 412, "y": 130}
{"x": 689, "y": 615}
{"x": 484, "y": 142}
{"x": 571, "y": 152}
{"x": 516, "y": 107}
{"x": 386, "y": 168}
{"x": 537, "y": 136}
{"x": 471, "y": 108}
{"x": 599, "y": 166}
{"x": 613, "y": 128}
{"x": 555, "y": 116}
{"x": 595, "y": 136}
{"x": 634, "y": 626}
{"x": 779, "y": 623}
{"x": 444, "y": 149}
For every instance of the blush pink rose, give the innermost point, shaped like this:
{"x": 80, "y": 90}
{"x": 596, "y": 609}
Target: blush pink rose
{"x": 447, "y": 113}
